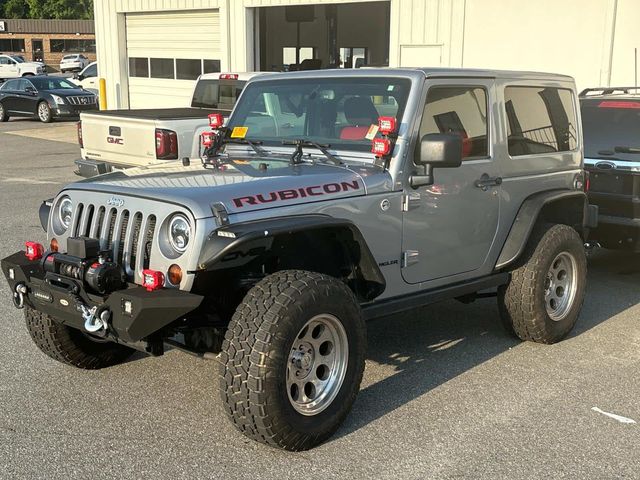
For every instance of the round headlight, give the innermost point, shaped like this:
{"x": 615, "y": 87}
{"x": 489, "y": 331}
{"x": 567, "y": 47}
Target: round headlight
{"x": 179, "y": 233}
{"x": 65, "y": 212}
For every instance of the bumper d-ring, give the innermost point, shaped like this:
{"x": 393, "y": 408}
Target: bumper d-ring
{"x": 18, "y": 295}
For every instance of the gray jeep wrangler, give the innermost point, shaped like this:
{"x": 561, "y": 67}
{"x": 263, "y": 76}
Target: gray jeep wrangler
{"x": 329, "y": 198}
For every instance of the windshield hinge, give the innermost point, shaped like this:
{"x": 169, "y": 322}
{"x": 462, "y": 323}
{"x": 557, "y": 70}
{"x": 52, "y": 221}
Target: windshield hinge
{"x": 220, "y": 213}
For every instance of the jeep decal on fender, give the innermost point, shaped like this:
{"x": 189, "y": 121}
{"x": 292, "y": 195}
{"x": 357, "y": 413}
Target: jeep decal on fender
{"x": 291, "y": 194}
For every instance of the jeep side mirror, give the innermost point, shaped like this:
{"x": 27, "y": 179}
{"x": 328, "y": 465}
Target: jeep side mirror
{"x": 78, "y": 76}
{"x": 437, "y": 150}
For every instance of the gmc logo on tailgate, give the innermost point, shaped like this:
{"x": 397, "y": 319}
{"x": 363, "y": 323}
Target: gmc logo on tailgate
{"x": 117, "y": 141}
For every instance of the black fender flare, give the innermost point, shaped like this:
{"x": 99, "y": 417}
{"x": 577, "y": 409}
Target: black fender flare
{"x": 230, "y": 240}
{"x": 44, "y": 212}
{"x": 526, "y": 219}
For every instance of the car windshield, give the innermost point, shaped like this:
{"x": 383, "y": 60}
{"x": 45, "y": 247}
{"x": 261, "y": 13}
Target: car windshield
{"x": 69, "y": 57}
{"x": 216, "y": 93}
{"x": 17, "y": 59}
{"x": 333, "y": 111}
{"x": 608, "y": 124}
{"x": 51, "y": 83}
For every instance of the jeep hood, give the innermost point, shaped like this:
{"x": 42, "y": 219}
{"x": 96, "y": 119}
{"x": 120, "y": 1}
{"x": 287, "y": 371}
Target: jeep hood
{"x": 242, "y": 188}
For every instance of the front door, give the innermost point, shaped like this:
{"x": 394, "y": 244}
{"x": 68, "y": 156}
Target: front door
{"x": 38, "y": 53}
{"x": 450, "y": 226}
{"x": 8, "y": 67}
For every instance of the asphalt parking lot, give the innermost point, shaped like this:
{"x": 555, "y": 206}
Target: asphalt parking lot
{"x": 446, "y": 393}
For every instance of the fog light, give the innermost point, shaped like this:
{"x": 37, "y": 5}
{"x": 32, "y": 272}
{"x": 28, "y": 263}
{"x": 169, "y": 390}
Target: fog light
{"x": 12, "y": 274}
{"x": 33, "y": 251}
{"x": 152, "y": 280}
{"x": 175, "y": 274}
{"x": 127, "y": 307}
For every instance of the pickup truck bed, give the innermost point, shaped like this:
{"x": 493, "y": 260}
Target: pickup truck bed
{"x": 162, "y": 113}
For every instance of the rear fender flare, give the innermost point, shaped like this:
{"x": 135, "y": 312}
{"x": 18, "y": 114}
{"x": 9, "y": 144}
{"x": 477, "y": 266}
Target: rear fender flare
{"x": 529, "y": 214}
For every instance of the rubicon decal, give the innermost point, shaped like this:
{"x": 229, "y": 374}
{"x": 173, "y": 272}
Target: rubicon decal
{"x": 292, "y": 194}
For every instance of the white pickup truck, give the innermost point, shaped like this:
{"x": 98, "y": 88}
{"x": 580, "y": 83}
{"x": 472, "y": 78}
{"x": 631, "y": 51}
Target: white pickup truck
{"x": 12, "y": 66}
{"x": 118, "y": 139}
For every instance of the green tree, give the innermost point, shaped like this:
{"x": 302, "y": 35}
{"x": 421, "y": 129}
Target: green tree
{"x": 57, "y": 9}
{"x": 15, "y": 9}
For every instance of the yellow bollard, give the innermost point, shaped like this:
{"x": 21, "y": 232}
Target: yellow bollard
{"x": 103, "y": 94}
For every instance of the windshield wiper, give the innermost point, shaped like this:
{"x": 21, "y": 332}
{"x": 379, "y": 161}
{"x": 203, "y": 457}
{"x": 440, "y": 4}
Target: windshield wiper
{"x": 296, "y": 157}
{"x": 255, "y": 145}
{"x": 622, "y": 149}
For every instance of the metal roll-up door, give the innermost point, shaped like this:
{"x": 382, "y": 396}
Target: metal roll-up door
{"x": 166, "y": 51}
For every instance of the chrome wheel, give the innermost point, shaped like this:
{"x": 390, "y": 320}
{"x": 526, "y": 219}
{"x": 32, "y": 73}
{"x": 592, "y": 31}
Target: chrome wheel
{"x": 317, "y": 364}
{"x": 560, "y": 286}
{"x": 44, "y": 112}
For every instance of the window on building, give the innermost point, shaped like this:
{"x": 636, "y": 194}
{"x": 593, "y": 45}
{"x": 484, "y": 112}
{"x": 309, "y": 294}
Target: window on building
{"x": 162, "y": 68}
{"x": 540, "y": 120}
{"x": 210, "y": 66}
{"x": 461, "y": 111}
{"x": 187, "y": 69}
{"x": 12, "y": 45}
{"x": 72, "y": 45}
{"x": 289, "y": 56}
{"x": 139, "y": 67}
{"x": 353, "y": 57}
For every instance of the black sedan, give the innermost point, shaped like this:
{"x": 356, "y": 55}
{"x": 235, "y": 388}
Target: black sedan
{"x": 44, "y": 97}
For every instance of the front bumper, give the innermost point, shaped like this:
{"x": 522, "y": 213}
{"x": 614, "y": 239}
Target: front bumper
{"x": 62, "y": 298}
{"x": 66, "y": 110}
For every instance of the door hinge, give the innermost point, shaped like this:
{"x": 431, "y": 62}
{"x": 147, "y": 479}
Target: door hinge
{"x": 410, "y": 201}
{"x": 410, "y": 257}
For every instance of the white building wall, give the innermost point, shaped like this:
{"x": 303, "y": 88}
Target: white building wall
{"x": 592, "y": 40}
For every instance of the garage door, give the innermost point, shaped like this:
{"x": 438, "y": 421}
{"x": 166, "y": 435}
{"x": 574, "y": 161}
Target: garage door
{"x": 167, "y": 51}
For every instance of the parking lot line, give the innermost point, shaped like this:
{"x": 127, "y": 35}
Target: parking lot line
{"x": 31, "y": 181}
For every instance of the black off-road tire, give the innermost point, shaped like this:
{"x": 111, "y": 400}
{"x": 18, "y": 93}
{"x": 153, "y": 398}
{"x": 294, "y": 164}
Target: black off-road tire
{"x": 4, "y": 117}
{"x": 255, "y": 356}
{"x": 70, "y": 346}
{"x": 521, "y": 302}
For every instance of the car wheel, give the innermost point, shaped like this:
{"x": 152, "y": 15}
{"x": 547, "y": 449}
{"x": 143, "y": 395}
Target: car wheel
{"x": 543, "y": 299}
{"x": 4, "y": 117}
{"x": 70, "y": 346}
{"x": 292, "y": 359}
{"x": 44, "y": 112}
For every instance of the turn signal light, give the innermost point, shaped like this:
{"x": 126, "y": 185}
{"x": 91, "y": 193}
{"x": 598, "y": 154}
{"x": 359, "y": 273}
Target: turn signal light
{"x": 207, "y": 139}
{"x": 152, "y": 280}
{"x": 175, "y": 274}
{"x": 380, "y": 147}
{"x": 33, "y": 250}
{"x": 216, "y": 120}
{"x": 53, "y": 245}
{"x": 387, "y": 125}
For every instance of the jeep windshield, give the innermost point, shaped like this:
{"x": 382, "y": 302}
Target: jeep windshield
{"x": 328, "y": 111}
{"x": 611, "y": 128}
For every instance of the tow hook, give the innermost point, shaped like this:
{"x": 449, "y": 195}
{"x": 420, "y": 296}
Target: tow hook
{"x": 96, "y": 321}
{"x": 18, "y": 295}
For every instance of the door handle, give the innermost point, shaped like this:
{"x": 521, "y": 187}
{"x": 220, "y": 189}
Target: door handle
{"x": 486, "y": 181}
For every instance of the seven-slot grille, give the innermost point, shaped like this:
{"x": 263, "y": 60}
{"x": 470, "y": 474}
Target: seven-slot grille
{"x": 82, "y": 100}
{"x": 128, "y": 235}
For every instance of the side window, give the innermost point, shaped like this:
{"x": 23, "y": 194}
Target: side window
{"x": 4, "y": 61}
{"x": 91, "y": 71}
{"x": 461, "y": 111}
{"x": 9, "y": 85}
{"x": 540, "y": 120}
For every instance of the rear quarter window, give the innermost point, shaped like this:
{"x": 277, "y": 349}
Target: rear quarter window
{"x": 540, "y": 120}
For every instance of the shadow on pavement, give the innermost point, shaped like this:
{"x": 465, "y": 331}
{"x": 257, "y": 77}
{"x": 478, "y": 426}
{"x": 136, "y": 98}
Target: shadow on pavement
{"x": 427, "y": 347}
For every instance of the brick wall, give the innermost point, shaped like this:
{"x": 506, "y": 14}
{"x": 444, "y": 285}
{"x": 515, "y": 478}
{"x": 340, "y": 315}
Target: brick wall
{"x": 51, "y": 59}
